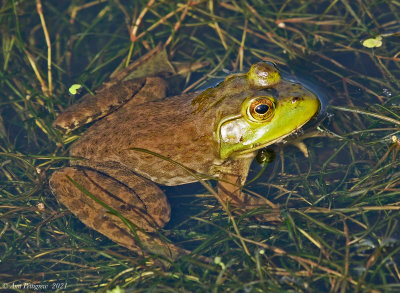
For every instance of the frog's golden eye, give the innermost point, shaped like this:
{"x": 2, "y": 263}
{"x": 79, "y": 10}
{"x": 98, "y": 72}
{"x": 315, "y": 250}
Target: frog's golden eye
{"x": 261, "y": 109}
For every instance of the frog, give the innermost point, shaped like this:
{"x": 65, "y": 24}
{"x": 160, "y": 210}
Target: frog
{"x": 139, "y": 138}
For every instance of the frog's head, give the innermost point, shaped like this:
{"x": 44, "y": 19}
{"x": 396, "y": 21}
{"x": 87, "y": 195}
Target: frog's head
{"x": 261, "y": 109}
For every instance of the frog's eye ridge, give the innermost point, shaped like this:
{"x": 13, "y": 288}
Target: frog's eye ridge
{"x": 261, "y": 109}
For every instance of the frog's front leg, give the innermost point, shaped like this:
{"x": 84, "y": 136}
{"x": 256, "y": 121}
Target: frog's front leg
{"x": 138, "y": 82}
{"x": 148, "y": 213}
{"x": 230, "y": 191}
{"x": 93, "y": 107}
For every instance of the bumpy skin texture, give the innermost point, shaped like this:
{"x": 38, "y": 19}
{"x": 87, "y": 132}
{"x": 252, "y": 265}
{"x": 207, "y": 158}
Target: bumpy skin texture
{"x": 139, "y": 210}
{"x": 136, "y": 115}
{"x": 167, "y": 127}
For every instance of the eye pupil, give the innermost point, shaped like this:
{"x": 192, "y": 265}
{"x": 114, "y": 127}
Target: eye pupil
{"x": 261, "y": 109}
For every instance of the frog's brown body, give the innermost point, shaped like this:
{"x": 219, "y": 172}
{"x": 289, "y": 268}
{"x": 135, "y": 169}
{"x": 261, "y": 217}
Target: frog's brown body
{"x": 146, "y": 137}
{"x": 112, "y": 139}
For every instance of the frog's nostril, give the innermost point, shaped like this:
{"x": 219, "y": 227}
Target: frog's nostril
{"x": 295, "y": 99}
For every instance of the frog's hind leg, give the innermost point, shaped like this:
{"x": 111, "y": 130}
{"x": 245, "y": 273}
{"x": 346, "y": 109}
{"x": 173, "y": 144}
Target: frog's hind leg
{"x": 146, "y": 216}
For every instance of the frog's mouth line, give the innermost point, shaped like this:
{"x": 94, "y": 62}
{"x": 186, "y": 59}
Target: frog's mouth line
{"x": 271, "y": 142}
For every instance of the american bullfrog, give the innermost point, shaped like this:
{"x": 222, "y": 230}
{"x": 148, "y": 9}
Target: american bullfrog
{"x": 140, "y": 138}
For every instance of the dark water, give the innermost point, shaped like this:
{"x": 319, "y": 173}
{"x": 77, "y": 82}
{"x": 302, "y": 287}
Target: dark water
{"x": 346, "y": 191}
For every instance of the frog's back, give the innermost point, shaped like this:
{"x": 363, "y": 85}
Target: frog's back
{"x": 168, "y": 127}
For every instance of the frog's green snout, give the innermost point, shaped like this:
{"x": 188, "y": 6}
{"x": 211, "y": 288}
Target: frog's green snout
{"x": 312, "y": 104}
{"x": 299, "y": 109}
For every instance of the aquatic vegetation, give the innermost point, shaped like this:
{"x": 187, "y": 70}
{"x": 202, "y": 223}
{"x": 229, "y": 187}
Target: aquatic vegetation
{"x": 340, "y": 205}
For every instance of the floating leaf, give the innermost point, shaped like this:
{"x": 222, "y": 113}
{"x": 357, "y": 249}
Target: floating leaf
{"x": 73, "y": 89}
{"x": 117, "y": 289}
{"x": 373, "y": 42}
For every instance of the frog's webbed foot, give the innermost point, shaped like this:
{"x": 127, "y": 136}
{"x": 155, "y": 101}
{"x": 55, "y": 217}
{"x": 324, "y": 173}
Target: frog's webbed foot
{"x": 301, "y": 146}
{"x": 230, "y": 192}
{"x": 299, "y": 142}
{"x": 147, "y": 213}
